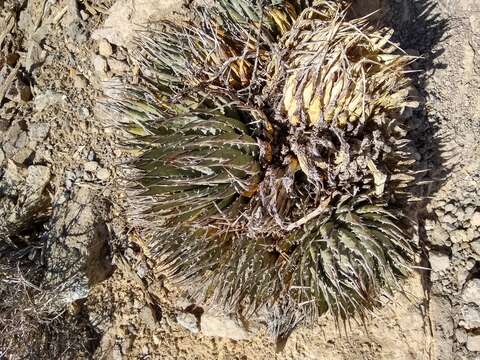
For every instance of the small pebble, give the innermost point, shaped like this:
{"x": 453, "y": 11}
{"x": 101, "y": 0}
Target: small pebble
{"x": 38, "y": 131}
{"x": 84, "y": 113}
{"x": 69, "y": 179}
{"x": 104, "y": 48}
{"x": 103, "y": 174}
{"x": 22, "y": 155}
{"x": 449, "y": 208}
{"x": 459, "y": 236}
{"x": 471, "y": 234}
{"x": 439, "y": 261}
{"x": 148, "y": 317}
{"x": 189, "y": 322}
{"x": 91, "y": 155}
{"x": 449, "y": 219}
{"x": 439, "y": 236}
{"x": 469, "y": 210}
{"x": 91, "y": 166}
{"x": 84, "y": 15}
{"x": 470, "y": 263}
{"x": 429, "y": 224}
{"x": 80, "y": 82}
{"x": 117, "y": 67}
{"x": 88, "y": 176}
{"x": 475, "y": 220}
{"x": 439, "y": 212}
{"x": 49, "y": 98}
{"x": 476, "y": 247}
{"x": 449, "y": 227}
{"x": 473, "y": 343}
{"x": 100, "y": 66}
{"x": 120, "y": 55}
{"x": 456, "y": 248}
{"x": 460, "y": 214}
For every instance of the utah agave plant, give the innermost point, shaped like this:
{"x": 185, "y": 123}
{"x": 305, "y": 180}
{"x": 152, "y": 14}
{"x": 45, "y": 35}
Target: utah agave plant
{"x": 274, "y": 170}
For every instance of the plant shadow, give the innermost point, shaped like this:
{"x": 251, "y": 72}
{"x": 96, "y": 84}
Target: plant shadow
{"x": 420, "y": 29}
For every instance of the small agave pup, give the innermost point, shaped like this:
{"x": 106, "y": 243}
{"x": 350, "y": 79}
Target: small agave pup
{"x": 274, "y": 171}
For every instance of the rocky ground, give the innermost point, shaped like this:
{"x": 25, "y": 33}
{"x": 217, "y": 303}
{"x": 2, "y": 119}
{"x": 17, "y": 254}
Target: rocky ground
{"x": 67, "y": 250}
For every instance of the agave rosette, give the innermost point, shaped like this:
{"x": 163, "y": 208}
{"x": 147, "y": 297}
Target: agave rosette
{"x": 275, "y": 168}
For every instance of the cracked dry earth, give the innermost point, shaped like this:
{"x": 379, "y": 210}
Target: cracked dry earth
{"x": 56, "y": 57}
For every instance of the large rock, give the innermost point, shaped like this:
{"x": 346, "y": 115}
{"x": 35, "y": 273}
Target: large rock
{"x": 476, "y": 246}
{"x": 475, "y": 220}
{"x": 473, "y": 343}
{"x": 471, "y": 317}
{"x": 127, "y": 16}
{"x": 471, "y": 293}
{"x": 24, "y": 200}
{"x": 439, "y": 261}
{"x": 188, "y": 321}
{"x": 78, "y": 256}
{"x": 49, "y": 99}
{"x": 439, "y": 236}
{"x": 471, "y": 308}
{"x": 15, "y": 139}
{"x": 222, "y": 326}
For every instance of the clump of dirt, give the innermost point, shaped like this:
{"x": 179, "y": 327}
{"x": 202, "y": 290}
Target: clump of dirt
{"x": 55, "y": 59}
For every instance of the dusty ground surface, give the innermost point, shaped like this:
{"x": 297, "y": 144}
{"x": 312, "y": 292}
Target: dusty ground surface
{"x": 56, "y": 56}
